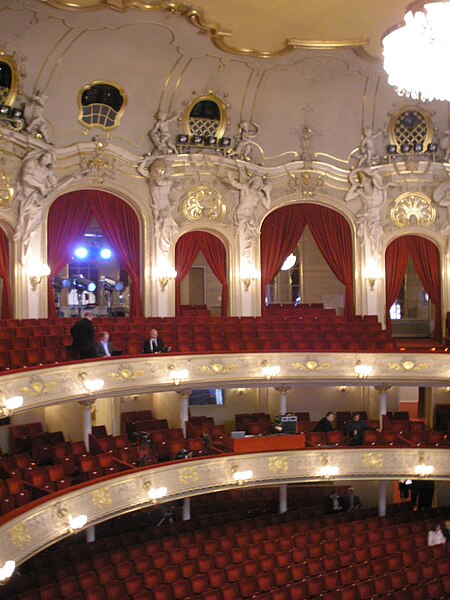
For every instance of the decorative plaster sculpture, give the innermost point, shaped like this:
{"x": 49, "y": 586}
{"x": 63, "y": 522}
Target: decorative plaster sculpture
{"x": 366, "y": 151}
{"x": 367, "y": 185}
{"x": 253, "y": 193}
{"x": 160, "y": 134}
{"x": 161, "y": 183}
{"x": 36, "y": 123}
{"x": 441, "y": 196}
{"x": 35, "y": 181}
{"x": 244, "y": 146}
{"x": 445, "y": 145}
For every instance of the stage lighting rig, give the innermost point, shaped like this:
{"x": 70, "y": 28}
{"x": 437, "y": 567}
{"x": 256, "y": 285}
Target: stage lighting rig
{"x": 109, "y": 286}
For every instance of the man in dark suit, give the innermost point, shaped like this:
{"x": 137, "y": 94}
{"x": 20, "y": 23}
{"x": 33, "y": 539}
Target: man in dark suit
{"x": 325, "y": 423}
{"x": 154, "y": 343}
{"x": 104, "y": 346}
{"x": 84, "y": 344}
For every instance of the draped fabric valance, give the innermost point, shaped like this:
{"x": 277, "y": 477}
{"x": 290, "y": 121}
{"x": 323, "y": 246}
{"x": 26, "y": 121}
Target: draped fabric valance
{"x": 283, "y": 228}
{"x": 70, "y": 216}
{"x": 186, "y": 251}
{"x": 4, "y": 274}
{"x": 427, "y": 262}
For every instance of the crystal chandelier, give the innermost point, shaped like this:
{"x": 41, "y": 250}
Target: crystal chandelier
{"x": 417, "y": 53}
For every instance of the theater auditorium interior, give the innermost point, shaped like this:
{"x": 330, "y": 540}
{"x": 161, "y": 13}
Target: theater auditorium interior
{"x": 263, "y": 187}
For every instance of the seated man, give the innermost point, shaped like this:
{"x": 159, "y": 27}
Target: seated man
{"x": 104, "y": 346}
{"x": 154, "y": 344}
{"x": 355, "y": 429}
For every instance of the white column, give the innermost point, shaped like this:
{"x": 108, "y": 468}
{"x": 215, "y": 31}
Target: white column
{"x": 282, "y": 402}
{"x": 90, "y": 534}
{"x": 382, "y": 402}
{"x": 186, "y": 509}
{"x": 184, "y": 408}
{"x": 282, "y": 504}
{"x": 382, "y": 499}
{"x": 87, "y": 420}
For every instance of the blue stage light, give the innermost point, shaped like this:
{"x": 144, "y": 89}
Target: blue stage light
{"x": 105, "y": 253}
{"x": 81, "y": 252}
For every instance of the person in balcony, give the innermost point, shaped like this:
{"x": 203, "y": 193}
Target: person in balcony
{"x": 435, "y": 535}
{"x": 154, "y": 344}
{"x": 104, "y": 346}
{"x": 355, "y": 429}
{"x": 325, "y": 424}
{"x": 446, "y": 530}
{"x": 84, "y": 344}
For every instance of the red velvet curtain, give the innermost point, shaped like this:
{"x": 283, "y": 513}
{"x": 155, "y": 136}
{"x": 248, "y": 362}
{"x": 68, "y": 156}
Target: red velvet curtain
{"x": 120, "y": 226}
{"x": 283, "y": 228}
{"x": 68, "y": 219}
{"x": 426, "y": 259}
{"x": 4, "y": 274}
{"x": 427, "y": 262}
{"x": 280, "y": 233}
{"x": 216, "y": 256}
{"x": 186, "y": 251}
{"x": 332, "y": 235}
{"x": 396, "y": 259}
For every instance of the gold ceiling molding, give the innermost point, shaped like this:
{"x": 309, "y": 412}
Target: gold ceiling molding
{"x": 195, "y": 16}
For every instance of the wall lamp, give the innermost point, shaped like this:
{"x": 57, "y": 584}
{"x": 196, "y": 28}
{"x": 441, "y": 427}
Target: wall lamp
{"x": 326, "y": 470}
{"x": 91, "y": 385}
{"x": 421, "y": 469}
{"x": 177, "y": 375}
{"x": 164, "y": 276}
{"x": 154, "y": 494}
{"x": 363, "y": 371}
{"x": 371, "y": 281}
{"x": 36, "y": 271}
{"x": 8, "y": 405}
{"x": 247, "y": 276}
{"x": 72, "y": 523}
{"x": 7, "y": 570}
{"x": 269, "y": 371}
{"x": 241, "y": 476}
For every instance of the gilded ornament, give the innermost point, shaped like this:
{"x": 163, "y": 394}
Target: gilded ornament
{"x": 125, "y": 372}
{"x": 101, "y": 497}
{"x": 278, "y": 463}
{"x": 36, "y": 386}
{"x": 188, "y": 475}
{"x": 373, "y": 459}
{"x": 6, "y": 191}
{"x": 204, "y": 202}
{"x": 408, "y": 365}
{"x": 216, "y": 367}
{"x": 413, "y": 209}
{"x": 20, "y": 536}
{"x": 311, "y": 365}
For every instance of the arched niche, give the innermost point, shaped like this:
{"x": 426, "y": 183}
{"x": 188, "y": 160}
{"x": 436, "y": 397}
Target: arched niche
{"x": 282, "y": 229}
{"x": 68, "y": 219}
{"x": 188, "y": 247}
{"x": 426, "y": 259}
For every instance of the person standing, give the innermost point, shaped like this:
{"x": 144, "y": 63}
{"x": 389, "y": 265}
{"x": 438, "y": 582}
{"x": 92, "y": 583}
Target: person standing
{"x": 84, "y": 344}
{"x": 154, "y": 343}
{"x": 325, "y": 423}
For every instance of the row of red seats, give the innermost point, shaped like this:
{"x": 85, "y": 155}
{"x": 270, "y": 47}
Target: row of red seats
{"x": 134, "y": 571}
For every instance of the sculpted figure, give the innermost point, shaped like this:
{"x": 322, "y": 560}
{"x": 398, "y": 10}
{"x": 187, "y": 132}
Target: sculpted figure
{"x": 445, "y": 145}
{"x": 367, "y": 152}
{"x": 34, "y": 116}
{"x": 441, "y": 196}
{"x": 161, "y": 183}
{"x": 367, "y": 186}
{"x": 160, "y": 134}
{"x": 252, "y": 193}
{"x": 247, "y": 131}
{"x": 35, "y": 180}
